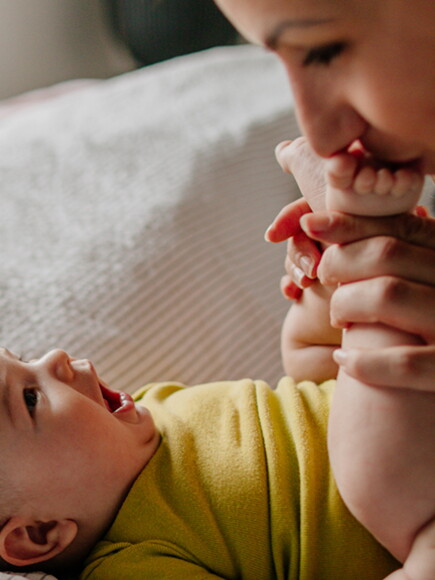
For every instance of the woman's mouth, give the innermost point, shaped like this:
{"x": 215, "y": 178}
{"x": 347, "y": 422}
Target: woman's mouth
{"x": 393, "y": 162}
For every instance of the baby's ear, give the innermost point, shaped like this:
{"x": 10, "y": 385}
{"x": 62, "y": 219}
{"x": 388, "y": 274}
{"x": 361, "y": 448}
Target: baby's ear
{"x": 24, "y": 541}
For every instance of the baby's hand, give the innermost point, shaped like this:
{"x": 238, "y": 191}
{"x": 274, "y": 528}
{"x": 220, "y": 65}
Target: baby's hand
{"x": 355, "y": 185}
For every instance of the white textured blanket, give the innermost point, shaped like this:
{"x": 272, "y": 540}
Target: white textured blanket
{"x": 132, "y": 215}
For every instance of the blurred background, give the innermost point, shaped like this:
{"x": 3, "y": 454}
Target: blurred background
{"x": 43, "y": 42}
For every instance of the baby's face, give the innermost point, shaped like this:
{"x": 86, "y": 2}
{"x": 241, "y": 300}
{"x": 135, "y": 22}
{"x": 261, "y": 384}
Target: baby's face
{"x": 65, "y": 439}
{"x": 359, "y": 69}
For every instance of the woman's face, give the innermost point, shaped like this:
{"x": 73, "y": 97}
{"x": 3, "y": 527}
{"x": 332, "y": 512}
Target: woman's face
{"x": 359, "y": 69}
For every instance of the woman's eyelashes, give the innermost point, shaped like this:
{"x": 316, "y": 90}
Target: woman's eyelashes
{"x": 31, "y": 398}
{"x": 323, "y": 55}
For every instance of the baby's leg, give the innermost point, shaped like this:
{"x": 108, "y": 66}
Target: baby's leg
{"x": 381, "y": 441}
{"x": 382, "y": 449}
{"x": 355, "y": 186}
{"x": 420, "y": 564}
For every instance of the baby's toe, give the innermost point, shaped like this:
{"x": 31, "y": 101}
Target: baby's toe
{"x": 365, "y": 181}
{"x": 406, "y": 181}
{"x": 340, "y": 170}
{"x": 384, "y": 182}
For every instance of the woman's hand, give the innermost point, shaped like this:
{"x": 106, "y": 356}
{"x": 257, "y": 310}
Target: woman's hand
{"x": 386, "y": 268}
{"x": 303, "y": 255}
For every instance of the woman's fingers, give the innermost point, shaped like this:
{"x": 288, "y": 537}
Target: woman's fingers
{"x": 396, "y": 302}
{"x": 301, "y": 263}
{"x": 286, "y": 224}
{"x": 290, "y": 289}
{"x": 379, "y": 256}
{"x": 398, "y": 366}
{"x": 303, "y": 255}
{"x": 340, "y": 228}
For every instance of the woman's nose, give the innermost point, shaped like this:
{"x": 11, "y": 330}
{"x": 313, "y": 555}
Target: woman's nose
{"x": 57, "y": 362}
{"x": 329, "y": 122}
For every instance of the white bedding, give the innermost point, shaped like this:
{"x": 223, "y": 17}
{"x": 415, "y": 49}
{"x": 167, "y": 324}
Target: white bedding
{"x": 132, "y": 215}
{"x": 132, "y": 218}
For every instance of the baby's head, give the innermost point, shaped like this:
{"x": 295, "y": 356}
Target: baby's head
{"x": 70, "y": 449}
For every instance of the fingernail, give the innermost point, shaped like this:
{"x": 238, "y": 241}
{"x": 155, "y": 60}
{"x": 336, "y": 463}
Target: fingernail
{"x": 340, "y": 356}
{"x": 316, "y": 223}
{"x": 307, "y": 265}
{"x": 298, "y": 275}
{"x": 267, "y": 233}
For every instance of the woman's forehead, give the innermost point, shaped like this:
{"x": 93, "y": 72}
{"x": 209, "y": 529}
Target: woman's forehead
{"x": 258, "y": 18}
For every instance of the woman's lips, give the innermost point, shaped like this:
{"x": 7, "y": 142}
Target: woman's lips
{"x": 393, "y": 160}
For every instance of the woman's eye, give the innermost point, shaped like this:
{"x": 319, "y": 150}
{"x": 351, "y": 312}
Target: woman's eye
{"x": 323, "y": 55}
{"x": 31, "y": 398}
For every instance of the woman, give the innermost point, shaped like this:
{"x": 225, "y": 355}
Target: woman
{"x": 363, "y": 72}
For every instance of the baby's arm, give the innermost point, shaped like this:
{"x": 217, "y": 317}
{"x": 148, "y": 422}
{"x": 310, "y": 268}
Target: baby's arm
{"x": 308, "y": 339}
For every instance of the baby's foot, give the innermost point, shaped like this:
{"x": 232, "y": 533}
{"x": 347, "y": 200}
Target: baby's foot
{"x": 354, "y": 186}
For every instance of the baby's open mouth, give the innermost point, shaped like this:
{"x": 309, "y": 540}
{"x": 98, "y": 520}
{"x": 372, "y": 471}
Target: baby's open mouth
{"x": 116, "y": 401}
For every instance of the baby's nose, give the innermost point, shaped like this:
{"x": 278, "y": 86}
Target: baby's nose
{"x": 58, "y": 363}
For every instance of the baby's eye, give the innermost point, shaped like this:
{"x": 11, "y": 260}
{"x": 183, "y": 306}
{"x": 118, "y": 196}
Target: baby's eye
{"x": 323, "y": 55}
{"x": 31, "y": 398}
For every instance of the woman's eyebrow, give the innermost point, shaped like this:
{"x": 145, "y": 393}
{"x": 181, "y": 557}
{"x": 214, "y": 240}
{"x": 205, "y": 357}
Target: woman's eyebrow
{"x": 272, "y": 39}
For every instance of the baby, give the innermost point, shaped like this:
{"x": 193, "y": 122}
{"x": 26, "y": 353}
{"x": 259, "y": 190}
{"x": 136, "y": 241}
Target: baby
{"x": 381, "y": 440}
{"x": 225, "y": 480}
